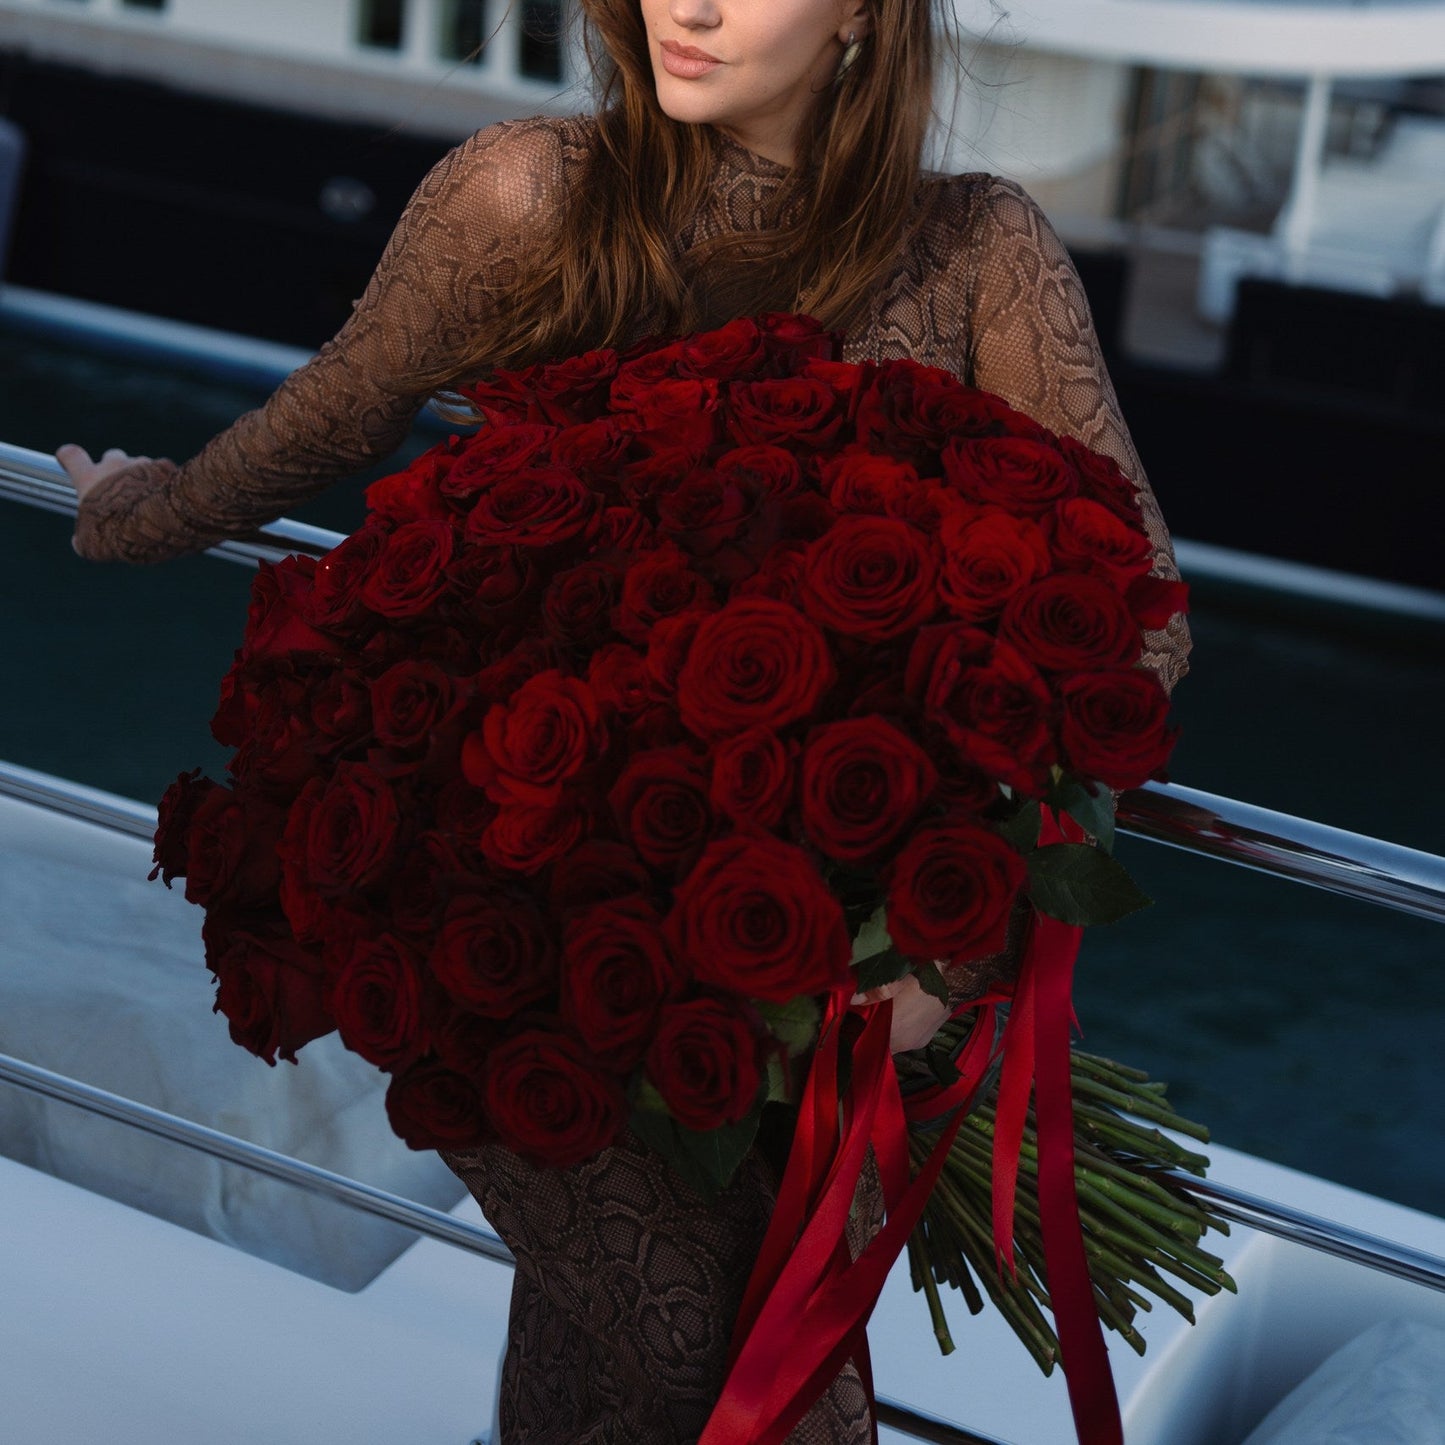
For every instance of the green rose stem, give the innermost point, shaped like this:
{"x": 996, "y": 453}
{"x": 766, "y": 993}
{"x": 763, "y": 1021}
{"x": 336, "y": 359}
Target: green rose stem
{"x": 1136, "y": 1228}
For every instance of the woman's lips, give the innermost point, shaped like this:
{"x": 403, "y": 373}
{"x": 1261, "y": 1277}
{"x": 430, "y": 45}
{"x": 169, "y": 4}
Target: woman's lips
{"x": 686, "y": 61}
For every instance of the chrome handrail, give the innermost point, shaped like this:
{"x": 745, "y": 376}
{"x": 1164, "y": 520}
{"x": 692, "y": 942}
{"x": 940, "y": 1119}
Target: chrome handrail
{"x": 1351, "y": 864}
{"x": 38, "y": 480}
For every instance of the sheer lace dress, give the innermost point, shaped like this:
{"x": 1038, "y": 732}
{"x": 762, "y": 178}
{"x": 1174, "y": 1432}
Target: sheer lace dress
{"x": 626, "y": 1283}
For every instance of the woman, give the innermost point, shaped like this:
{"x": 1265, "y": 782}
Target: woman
{"x": 746, "y": 158}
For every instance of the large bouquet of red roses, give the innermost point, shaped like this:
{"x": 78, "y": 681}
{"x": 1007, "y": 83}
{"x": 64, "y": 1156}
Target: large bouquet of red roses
{"x": 563, "y": 787}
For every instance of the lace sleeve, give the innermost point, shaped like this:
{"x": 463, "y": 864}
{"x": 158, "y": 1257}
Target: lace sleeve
{"x": 452, "y": 254}
{"x": 1031, "y": 340}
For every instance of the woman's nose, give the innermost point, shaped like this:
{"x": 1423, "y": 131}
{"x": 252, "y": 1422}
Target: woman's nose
{"x": 695, "y": 14}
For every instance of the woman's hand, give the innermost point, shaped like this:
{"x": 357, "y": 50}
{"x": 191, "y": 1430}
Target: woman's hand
{"x": 86, "y": 474}
{"x": 917, "y": 1016}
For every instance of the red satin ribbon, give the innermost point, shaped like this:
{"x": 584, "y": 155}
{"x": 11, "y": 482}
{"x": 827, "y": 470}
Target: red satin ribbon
{"x": 806, "y": 1307}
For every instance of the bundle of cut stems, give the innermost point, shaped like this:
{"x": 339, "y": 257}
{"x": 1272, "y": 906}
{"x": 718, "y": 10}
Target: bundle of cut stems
{"x": 1138, "y": 1226}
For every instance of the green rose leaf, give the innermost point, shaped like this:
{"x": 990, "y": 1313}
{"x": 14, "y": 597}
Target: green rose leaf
{"x": 1021, "y": 827}
{"x": 1081, "y": 885}
{"x": 872, "y": 937}
{"x": 794, "y": 1023}
{"x": 931, "y": 980}
{"x": 880, "y": 969}
{"x": 1094, "y": 813}
{"x": 706, "y": 1159}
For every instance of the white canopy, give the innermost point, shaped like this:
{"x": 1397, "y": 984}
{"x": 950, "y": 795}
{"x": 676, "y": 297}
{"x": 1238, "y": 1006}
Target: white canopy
{"x": 1340, "y": 38}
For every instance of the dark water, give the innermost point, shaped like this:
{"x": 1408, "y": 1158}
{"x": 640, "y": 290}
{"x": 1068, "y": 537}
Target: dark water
{"x": 1305, "y": 1028}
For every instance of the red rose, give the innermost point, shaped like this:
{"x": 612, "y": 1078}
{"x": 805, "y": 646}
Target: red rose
{"x": 529, "y": 749}
{"x": 1071, "y": 623}
{"x": 909, "y": 408}
{"x": 577, "y": 604}
{"x": 863, "y": 782}
{"x": 494, "y": 955}
{"x": 1012, "y": 472}
{"x": 271, "y": 990}
{"x": 463, "y": 1040}
{"x": 492, "y": 583}
{"x": 989, "y": 702}
{"x": 594, "y": 450}
{"x": 577, "y": 384}
{"x": 278, "y": 619}
{"x": 951, "y": 890}
{"x": 376, "y": 1000}
{"x": 861, "y": 481}
{"x": 343, "y": 834}
{"x": 780, "y": 576}
{"x": 409, "y": 702}
{"x": 231, "y": 851}
{"x": 340, "y": 711}
{"x": 676, "y": 413}
{"x": 618, "y": 677}
{"x": 411, "y": 572}
{"x": 704, "y": 1061}
{"x": 987, "y": 558}
{"x": 496, "y": 454}
{"x": 662, "y": 584}
{"x": 732, "y": 351}
{"x": 595, "y": 872}
{"x": 871, "y": 578}
{"x": 616, "y": 974}
{"x": 754, "y": 917}
{"x": 415, "y": 494}
{"x": 499, "y": 680}
{"x": 1115, "y": 730}
{"x": 930, "y": 507}
{"x": 622, "y": 534}
{"x": 433, "y": 1107}
{"x": 1102, "y": 479}
{"x": 756, "y": 663}
{"x": 335, "y": 601}
{"x": 537, "y": 508}
{"x": 173, "y": 821}
{"x": 668, "y": 646}
{"x": 761, "y": 471}
{"x": 752, "y": 777}
{"x": 793, "y": 341}
{"x": 547, "y": 1101}
{"x": 792, "y": 411}
{"x": 660, "y": 803}
{"x": 648, "y": 476}
{"x": 704, "y": 511}
{"x": 1087, "y": 537}
{"x": 525, "y": 837}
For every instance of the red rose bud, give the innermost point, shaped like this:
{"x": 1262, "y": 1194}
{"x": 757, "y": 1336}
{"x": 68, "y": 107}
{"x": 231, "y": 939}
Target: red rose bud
{"x": 1101, "y": 479}
{"x": 676, "y": 413}
{"x": 410, "y": 574}
{"x": 622, "y": 535}
{"x": 594, "y": 450}
{"x": 576, "y": 384}
{"x": 660, "y": 803}
{"x": 433, "y": 1107}
{"x": 761, "y": 471}
{"x": 911, "y": 409}
{"x": 950, "y": 892}
{"x": 752, "y": 777}
{"x": 231, "y": 852}
{"x": 577, "y": 605}
{"x": 988, "y": 556}
{"x": 279, "y": 617}
{"x": 1115, "y": 727}
{"x": 415, "y": 494}
{"x": 377, "y": 1003}
{"x": 1071, "y": 622}
{"x": 270, "y": 989}
{"x": 704, "y": 1062}
{"x": 1154, "y": 600}
{"x": 335, "y": 602}
{"x": 616, "y": 974}
{"x": 727, "y": 354}
{"x": 795, "y": 340}
{"x": 409, "y": 702}
{"x": 494, "y": 954}
{"x": 754, "y": 917}
{"x": 863, "y": 782}
{"x": 548, "y": 1102}
{"x": 862, "y": 482}
{"x": 1013, "y": 472}
{"x": 705, "y": 511}
{"x": 528, "y": 749}
{"x": 756, "y": 663}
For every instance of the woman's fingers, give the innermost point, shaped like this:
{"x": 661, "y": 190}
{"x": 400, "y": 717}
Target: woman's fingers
{"x": 84, "y": 472}
{"x": 884, "y": 990}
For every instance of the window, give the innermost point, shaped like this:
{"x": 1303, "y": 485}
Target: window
{"x": 379, "y": 23}
{"x": 542, "y": 39}
{"x": 463, "y": 30}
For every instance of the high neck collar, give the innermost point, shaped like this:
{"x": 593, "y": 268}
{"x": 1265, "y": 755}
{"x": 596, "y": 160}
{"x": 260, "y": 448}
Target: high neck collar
{"x": 738, "y": 159}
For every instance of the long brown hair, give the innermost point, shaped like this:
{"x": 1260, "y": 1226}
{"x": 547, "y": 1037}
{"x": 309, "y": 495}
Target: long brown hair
{"x": 848, "y": 202}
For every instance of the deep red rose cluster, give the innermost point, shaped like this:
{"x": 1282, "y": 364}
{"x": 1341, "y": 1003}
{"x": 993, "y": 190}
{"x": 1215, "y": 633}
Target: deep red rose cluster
{"x": 549, "y": 780}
